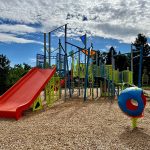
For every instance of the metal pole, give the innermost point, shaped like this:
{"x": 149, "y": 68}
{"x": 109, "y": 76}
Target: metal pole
{"x": 66, "y": 66}
{"x": 113, "y": 68}
{"x": 79, "y": 74}
{"x": 85, "y": 49}
{"x": 72, "y": 72}
{"x": 86, "y": 75}
{"x": 140, "y": 66}
{"x": 49, "y": 48}
{"x": 132, "y": 62}
{"x": 59, "y": 65}
{"x": 44, "y": 50}
{"x": 65, "y": 72}
{"x": 59, "y": 61}
{"x": 85, "y": 45}
{"x": 97, "y": 72}
{"x": 45, "y": 61}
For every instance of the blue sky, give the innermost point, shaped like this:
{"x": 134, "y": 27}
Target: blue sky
{"x": 107, "y": 23}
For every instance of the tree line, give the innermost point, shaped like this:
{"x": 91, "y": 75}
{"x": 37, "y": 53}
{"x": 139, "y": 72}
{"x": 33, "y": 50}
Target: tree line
{"x": 10, "y": 75}
{"x": 123, "y": 61}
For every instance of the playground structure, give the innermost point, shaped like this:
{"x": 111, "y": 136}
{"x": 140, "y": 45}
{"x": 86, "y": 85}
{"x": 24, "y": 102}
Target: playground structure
{"x": 81, "y": 76}
{"x": 69, "y": 77}
{"x": 93, "y": 78}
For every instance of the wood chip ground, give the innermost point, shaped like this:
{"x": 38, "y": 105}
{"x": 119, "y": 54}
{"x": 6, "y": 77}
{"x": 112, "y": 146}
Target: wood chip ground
{"x": 74, "y": 125}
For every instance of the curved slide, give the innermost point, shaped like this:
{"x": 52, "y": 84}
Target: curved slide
{"x": 22, "y": 95}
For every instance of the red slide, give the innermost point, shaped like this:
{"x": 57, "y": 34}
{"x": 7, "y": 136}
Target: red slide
{"x": 22, "y": 95}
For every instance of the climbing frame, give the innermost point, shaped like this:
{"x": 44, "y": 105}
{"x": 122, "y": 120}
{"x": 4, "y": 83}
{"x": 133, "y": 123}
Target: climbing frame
{"x": 53, "y": 90}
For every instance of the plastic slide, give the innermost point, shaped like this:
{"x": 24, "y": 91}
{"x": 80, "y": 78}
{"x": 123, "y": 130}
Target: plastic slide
{"x": 22, "y": 95}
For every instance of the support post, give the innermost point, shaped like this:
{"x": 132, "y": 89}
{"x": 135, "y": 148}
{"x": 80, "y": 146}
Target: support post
{"x": 140, "y": 66}
{"x": 44, "y": 50}
{"x": 59, "y": 65}
{"x": 45, "y": 59}
{"x": 79, "y": 73}
{"x": 72, "y": 72}
{"x": 85, "y": 48}
{"x": 65, "y": 62}
{"x": 96, "y": 73}
{"x": 113, "y": 68}
{"x": 49, "y": 48}
{"x": 86, "y": 75}
{"x": 132, "y": 62}
{"x": 134, "y": 122}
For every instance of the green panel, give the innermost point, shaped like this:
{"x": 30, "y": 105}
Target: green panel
{"x": 92, "y": 69}
{"x": 75, "y": 70}
{"x": 116, "y": 76}
{"x": 127, "y": 76}
{"x": 130, "y": 77}
{"x": 98, "y": 71}
{"x": 53, "y": 90}
{"x": 102, "y": 71}
{"x": 82, "y": 70}
{"x": 109, "y": 71}
{"x": 37, "y": 105}
{"x": 95, "y": 70}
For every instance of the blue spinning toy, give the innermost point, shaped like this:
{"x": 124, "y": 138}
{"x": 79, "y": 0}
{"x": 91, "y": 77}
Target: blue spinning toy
{"x": 126, "y": 105}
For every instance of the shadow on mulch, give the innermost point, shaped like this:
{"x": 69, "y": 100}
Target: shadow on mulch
{"x": 61, "y": 106}
{"x": 136, "y": 139}
{"x": 57, "y": 108}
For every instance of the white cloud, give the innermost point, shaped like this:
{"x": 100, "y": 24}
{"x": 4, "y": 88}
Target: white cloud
{"x": 117, "y": 19}
{"x": 10, "y": 38}
{"x": 17, "y": 29}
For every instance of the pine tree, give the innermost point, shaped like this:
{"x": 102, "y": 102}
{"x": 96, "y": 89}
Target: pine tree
{"x": 109, "y": 55}
{"x": 4, "y": 69}
{"x": 141, "y": 41}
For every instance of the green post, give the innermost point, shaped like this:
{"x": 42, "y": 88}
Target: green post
{"x": 134, "y": 122}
